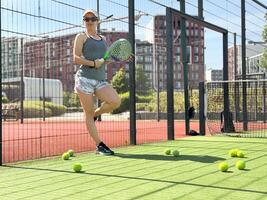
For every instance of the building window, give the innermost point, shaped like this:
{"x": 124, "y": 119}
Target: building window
{"x": 178, "y": 50}
{"x": 68, "y": 60}
{"x": 178, "y": 85}
{"x": 188, "y": 54}
{"x": 187, "y": 32}
{"x": 196, "y": 59}
{"x": 68, "y": 52}
{"x": 196, "y": 32}
{"x": 196, "y": 50}
{"x": 187, "y": 23}
{"x": 178, "y": 59}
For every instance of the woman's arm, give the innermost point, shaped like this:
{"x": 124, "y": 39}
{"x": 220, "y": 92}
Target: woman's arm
{"x": 77, "y": 53}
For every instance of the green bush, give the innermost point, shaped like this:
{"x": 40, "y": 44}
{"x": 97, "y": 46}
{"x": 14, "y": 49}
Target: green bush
{"x": 142, "y": 107}
{"x": 71, "y": 99}
{"x": 120, "y": 81}
{"x": 31, "y": 109}
{"x": 143, "y": 99}
{"x": 35, "y": 109}
{"x": 178, "y": 98}
{"x": 125, "y": 103}
{"x": 56, "y": 108}
{"x": 4, "y": 99}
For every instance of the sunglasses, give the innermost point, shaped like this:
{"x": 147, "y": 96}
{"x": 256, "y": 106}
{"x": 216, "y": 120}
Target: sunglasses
{"x": 87, "y": 19}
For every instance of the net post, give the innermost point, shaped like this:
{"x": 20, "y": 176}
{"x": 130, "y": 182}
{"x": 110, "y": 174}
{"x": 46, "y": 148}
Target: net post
{"x": 236, "y": 84}
{"x": 170, "y": 112}
{"x": 202, "y": 117}
{"x": 226, "y": 111}
{"x": 185, "y": 67}
{"x": 132, "y": 74}
{"x": 244, "y": 77}
{"x": 264, "y": 99}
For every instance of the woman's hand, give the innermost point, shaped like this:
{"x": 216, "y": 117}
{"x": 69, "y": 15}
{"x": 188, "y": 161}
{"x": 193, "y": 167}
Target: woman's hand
{"x": 99, "y": 62}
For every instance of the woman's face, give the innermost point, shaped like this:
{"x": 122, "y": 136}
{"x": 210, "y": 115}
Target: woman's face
{"x": 90, "y": 21}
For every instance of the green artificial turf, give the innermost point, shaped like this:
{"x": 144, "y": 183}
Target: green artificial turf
{"x": 145, "y": 172}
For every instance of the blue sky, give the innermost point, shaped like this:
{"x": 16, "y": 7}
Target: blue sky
{"x": 216, "y": 14}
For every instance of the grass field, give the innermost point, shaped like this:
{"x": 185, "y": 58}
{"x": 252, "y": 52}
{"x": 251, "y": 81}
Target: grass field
{"x": 144, "y": 172}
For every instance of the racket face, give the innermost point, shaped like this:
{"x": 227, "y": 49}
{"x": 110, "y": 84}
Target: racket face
{"x": 120, "y": 50}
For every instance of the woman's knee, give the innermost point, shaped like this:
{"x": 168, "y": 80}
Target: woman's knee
{"x": 116, "y": 102}
{"x": 89, "y": 112}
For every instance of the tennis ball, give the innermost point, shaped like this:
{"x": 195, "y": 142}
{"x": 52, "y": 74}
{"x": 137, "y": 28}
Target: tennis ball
{"x": 71, "y": 152}
{"x": 233, "y": 152}
{"x": 77, "y": 167}
{"x": 240, "y": 165}
{"x": 167, "y": 151}
{"x": 66, "y": 156}
{"x": 223, "y": 166}
{"x": 175, "y": 153}
{"x": 240, "y": 154}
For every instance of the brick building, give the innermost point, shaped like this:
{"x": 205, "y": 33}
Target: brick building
{"x": 195, "y": 52}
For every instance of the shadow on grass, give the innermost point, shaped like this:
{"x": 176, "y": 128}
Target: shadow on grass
{"x": 142, "y": 179}
{"x": 196, "y": 158}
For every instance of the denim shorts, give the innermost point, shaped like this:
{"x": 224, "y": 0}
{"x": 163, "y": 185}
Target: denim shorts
{"x": 88, "y": 86}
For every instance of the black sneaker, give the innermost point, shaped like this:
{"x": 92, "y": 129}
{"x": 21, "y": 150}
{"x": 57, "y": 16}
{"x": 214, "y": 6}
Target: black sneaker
{"x": 103, "y": 150}
{"x": 112, "y": 152}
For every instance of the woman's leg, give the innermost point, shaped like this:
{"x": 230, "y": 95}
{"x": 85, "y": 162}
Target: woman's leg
{"x": 87, "y": 103}
{"x": 110, "y": 99}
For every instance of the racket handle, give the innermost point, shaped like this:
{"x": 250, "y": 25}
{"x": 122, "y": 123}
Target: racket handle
{"x": 106, "y": 56}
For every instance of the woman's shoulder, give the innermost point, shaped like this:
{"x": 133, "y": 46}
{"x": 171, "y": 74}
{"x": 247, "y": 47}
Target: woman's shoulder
{"x": 81, "y": 36}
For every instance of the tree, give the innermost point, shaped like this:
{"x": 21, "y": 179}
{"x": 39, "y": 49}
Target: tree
{"x": 120, "y": 81}
{"x": 143, "y": 83}
{"x": 263, "y": 60}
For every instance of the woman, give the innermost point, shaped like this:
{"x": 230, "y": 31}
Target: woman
{"x": 89, "y": 49}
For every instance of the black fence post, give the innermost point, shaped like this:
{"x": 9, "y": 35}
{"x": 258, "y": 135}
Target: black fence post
{"x": 170, "y": 114}
{"x": 202, "y": 117}
{"x": 185, "y": 67}
{"x": 226, "y": 112}
{"x": 243, "y": 44}
{"x": 132, "y": 75}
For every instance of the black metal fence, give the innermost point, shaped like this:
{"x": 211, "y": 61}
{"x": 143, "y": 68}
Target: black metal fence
{"x": 40, "y": 114}
{"x": 255, "y": 122}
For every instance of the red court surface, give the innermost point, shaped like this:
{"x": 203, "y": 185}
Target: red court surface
{"x": 37, "y": 139}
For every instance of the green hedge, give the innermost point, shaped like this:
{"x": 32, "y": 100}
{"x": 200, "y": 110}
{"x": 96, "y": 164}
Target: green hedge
{"x": 178, "y": 98}
{"x": 35, "y": 109}
{"x": 143, "y": 99}
{"x": 4, "y": 99}
{"x": 144, "y": 107}
{"x": 31, "y": 110}
{"x": 71, "y": 99}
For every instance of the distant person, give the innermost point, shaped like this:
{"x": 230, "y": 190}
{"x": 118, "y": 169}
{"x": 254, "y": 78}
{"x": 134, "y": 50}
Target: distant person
{"x": 89, "y": 49}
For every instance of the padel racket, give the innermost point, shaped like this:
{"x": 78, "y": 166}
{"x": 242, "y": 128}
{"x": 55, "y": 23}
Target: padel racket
{"x": 119, "y": 51}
